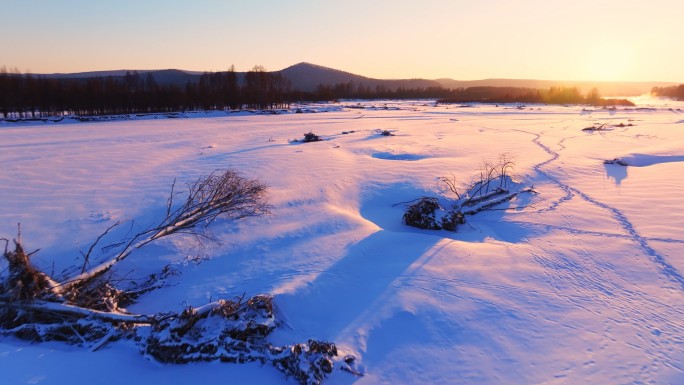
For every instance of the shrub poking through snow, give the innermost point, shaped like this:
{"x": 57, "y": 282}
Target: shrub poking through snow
{"x": 605, "y": 126}
{"x": 595, "y": 127}
{"x": 311, "y": 137}
{"x": 310, "y": 363}
{"x": 422, "y": 214}
{"x": 617, "y": 161}
{"x": 452, "y": 219}
{"x": 225, "y": 330}
{"x": 428, "y": 214}
{"x": 308, "y": 138}
{"x": 385, "y": 133}
{"x": 493, "y": 187}
{"x": 87, "y": 308}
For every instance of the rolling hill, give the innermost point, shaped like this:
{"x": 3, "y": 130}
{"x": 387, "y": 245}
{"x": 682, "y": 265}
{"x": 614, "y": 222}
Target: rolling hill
{"x": 306, "y": 77}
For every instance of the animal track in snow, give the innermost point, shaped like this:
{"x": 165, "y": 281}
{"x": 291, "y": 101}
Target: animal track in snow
{"x": 666, "y": 268}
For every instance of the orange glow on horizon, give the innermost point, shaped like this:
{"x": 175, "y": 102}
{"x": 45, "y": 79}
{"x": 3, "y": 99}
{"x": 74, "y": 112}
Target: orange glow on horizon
{"x": 592, "y": 40}
{"x": 609, "y": 61}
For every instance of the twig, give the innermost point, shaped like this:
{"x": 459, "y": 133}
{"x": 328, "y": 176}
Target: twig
{"x": 411, "y": 201}
{"x": 451, "y": 184}
{"x": 102, "y": 342}
{"x": 169, "y": 203}
{"x": 6, "y": 244}
{"x": 77, "y": 334}
{"x": 86, "y": 256}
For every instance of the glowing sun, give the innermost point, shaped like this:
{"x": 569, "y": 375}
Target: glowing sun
{"x": 609, "y": 61}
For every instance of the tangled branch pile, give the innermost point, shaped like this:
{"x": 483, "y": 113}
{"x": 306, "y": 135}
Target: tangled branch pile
{"x": 88, "y": 308}
{"x": 618, "y": 161}
{"x": 311, "y": 137}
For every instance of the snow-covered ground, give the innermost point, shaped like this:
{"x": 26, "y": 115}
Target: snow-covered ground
{"x": 582, "y": 283}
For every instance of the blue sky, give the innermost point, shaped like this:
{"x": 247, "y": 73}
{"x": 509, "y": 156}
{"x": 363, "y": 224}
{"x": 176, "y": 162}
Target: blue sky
{"x": 460, "y": 39}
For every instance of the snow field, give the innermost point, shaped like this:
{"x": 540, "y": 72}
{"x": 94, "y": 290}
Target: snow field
{"x": 580, "y": 283}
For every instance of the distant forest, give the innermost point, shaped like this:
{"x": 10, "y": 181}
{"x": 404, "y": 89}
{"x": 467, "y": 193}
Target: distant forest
{"x": 553, "y": 95}
{"x": 26, "y": 96}
{"x": 674, "y": 92}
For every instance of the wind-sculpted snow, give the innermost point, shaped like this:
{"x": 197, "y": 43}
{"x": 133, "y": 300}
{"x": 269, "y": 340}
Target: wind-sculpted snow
{"x": 580, "y": 283}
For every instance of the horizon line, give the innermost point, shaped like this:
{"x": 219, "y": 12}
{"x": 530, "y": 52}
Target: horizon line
{"x": 196, "y": 72}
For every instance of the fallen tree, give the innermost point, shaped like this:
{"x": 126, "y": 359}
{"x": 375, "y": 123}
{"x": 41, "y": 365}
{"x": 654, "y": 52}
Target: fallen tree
{"x": 493, "y": 187}
{"x": 88, "y": 308}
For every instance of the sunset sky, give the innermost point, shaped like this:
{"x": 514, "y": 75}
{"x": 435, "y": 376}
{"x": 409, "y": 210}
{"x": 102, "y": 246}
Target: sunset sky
{"x": 461, "y": 39}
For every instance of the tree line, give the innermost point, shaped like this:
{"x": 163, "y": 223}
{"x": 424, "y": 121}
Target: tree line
{"x": 352, "y": 90}
{"x": 482, "y": 94}
{"x": 674, "y": 92}
{"x": 552, "y": 95}
{"x": 28, "y": 96}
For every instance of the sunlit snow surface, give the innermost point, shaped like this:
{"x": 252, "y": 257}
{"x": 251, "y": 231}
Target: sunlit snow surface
{"x": 582, "y": 283}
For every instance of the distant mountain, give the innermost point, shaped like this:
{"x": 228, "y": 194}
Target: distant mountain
{"x": 303, "y": 76}
{"x": 306, "y": 77}
{"x": 93, "y": 74}
{"x": 169, "y": 76}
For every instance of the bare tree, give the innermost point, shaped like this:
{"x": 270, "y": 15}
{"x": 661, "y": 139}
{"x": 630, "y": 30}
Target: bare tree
{"x": 226, "y": 194}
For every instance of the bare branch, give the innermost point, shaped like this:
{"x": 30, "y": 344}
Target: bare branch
{"x": 224, "y": 194}
{"x": 75, "y": 311}
{"x": 451, "y": 184}
{"x": 169, "y": 203}
{"x": 86, "y": 256}
{"x": 6, "y": 244}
